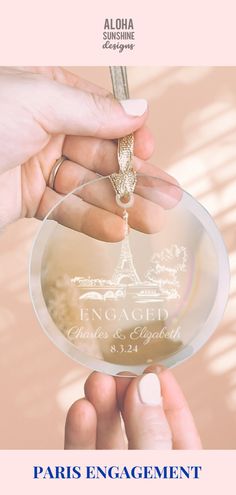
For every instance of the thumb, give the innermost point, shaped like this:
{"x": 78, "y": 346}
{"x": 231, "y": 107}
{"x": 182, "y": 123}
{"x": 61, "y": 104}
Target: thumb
{"x": 69, "y": 110}
{"x": 145, "y": 421}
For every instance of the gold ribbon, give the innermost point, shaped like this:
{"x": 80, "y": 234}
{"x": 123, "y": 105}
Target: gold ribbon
{"x": 125, "y": 180}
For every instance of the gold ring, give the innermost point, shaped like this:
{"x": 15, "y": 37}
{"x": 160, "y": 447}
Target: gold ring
{"x": 55, "y": 168}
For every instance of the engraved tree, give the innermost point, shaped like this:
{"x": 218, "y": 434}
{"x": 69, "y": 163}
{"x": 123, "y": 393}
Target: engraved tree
{"x": 164, "y": 269}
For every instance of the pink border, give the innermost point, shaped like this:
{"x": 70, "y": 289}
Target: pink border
{"x": 168, "y": 32}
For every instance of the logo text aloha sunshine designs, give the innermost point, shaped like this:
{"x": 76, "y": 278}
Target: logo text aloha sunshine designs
{"x": 118, "y": 34}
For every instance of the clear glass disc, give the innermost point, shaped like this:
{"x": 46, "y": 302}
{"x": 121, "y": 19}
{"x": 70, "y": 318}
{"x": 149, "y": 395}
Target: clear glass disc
{"x": 119, "y": 290}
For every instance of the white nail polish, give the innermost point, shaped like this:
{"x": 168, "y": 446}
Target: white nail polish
{"x": 150, "y": 390}
{"x": 135, "y": 108}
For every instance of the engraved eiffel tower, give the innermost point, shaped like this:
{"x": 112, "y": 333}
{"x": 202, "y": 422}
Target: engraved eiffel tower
{"x": 125, "y": 272}
{"x": 160, "y": 281}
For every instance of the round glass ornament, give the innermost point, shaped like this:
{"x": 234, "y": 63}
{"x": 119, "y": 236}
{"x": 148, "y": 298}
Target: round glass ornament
{"x": 123, "y": 289}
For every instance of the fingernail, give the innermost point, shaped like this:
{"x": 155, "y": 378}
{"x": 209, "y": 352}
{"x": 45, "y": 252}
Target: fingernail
{"x": 150, "y": 390}
{"x": 135, "y": 108}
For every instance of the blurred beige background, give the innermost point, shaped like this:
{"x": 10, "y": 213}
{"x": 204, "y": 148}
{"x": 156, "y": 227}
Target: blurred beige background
{"x": 193, "y": 118}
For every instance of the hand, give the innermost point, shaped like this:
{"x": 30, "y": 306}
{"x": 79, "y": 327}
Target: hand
{"x": 49, "y": 112}
{"x": 151, "y": 421}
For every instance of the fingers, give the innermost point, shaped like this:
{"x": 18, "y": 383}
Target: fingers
{"x": 144, "y": 216}
{"x": 123, "y": 380}
{"x": 180, "y": 419}
{"x": 157, "y": 423}
{"x": 64, "y": 76}
{"x": 146, "y": 424}
{"x": 144, "y": 143}
{"x": 57, "y": 91}
{"x": 78, "y": 215}
{"x": 80, "y": 427}
{"x": 61, "y": 108}
{"x": 155, "y": 413}
{"x": 93, "y": 210}
{"x": 100, "y": 390}
{"x": 100, "y": 155}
